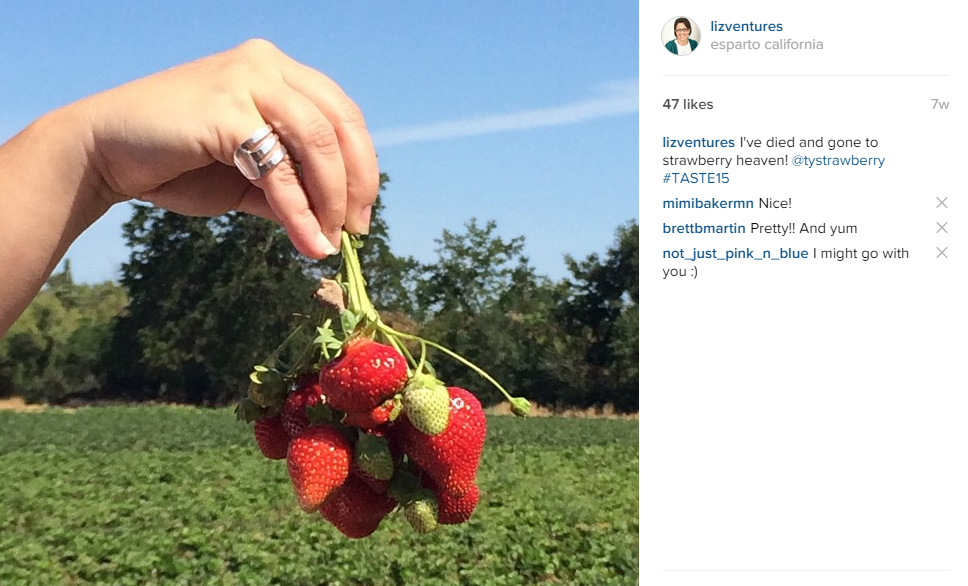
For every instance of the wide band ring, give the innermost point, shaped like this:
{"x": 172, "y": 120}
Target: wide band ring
{"x": 259, "y": 154}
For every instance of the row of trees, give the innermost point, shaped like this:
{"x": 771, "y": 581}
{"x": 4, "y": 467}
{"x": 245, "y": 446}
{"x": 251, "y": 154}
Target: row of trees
{"x": 202, "y": 300}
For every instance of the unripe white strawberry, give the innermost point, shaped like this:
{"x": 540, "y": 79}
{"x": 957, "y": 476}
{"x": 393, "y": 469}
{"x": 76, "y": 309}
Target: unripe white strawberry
{"x": 427, "y": 404}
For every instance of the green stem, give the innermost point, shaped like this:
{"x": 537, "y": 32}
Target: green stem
{"x": 359, "y": 300}
{"x": 346, "y": 269}
{"x": 453, "y": 355}
{"x": 423, "y": 356}
{"x": 399, "y": 348}
{"x": 275, "y": 353}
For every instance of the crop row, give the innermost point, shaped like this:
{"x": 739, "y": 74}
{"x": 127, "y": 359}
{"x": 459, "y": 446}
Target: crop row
{"x": 140, "y": 495}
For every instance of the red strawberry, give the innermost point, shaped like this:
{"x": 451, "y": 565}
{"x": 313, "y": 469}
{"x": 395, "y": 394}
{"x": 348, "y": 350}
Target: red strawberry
{"x": 364, "y": 375}
{"x": 307, "y": 394}
{"x": 372, "y": 418}
{"x": 272, "y": 437}
{"x": 375, "y": 484}
{"x": 454, "y": 510}
{"x": 355, "y": 509}
{"x": 451, "y": 457}
{"x": 319, "y": 460}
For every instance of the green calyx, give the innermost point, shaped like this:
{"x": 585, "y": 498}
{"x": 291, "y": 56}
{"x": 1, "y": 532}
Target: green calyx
{"x": 267, "y": 388}
{"x": 320, "y": 413}
{"x": 247, "y": 411}
{"x": 403, "y": 485}
{"x": 520, "y": 406}
{"x": 427, "y": 404}
{"x": 372, "y": 456}
{"x": 397, "y": 408}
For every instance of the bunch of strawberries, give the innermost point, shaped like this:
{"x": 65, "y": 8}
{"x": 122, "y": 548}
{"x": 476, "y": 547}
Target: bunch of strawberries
{"x": 364, "y": 427}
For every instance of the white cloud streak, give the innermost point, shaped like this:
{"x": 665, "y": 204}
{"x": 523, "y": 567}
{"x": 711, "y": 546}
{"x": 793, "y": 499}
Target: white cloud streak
{"x": 613, "y": 99}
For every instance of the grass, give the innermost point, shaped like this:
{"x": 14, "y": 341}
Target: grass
{"x": 163, "y": 495}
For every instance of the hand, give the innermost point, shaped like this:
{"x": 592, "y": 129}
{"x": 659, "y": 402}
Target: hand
{"x": 169, "y": 139}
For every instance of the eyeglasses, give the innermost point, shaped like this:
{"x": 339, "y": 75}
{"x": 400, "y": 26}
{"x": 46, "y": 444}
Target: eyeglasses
{"x": 682, "y": 30}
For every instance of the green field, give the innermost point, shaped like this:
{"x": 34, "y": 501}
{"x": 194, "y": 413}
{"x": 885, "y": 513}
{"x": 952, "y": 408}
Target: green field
{"x": 158, "y": 495}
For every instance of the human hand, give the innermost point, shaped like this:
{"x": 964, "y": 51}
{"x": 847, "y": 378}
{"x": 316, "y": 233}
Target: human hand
{"x": 169, "y": 139}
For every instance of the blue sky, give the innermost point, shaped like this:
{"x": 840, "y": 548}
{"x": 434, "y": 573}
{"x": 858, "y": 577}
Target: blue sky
{"x": 525, "y": 113}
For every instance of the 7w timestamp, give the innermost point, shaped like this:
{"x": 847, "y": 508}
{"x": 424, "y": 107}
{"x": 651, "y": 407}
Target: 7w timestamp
{"x": 687, "y": 104}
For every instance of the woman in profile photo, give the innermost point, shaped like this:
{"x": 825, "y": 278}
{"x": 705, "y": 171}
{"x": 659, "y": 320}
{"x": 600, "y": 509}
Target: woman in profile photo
{"x": 682, "y": 44}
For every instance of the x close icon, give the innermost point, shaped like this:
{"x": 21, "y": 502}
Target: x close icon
{"x": 942, "y": 202}
{"x": 941, "y": 227}
{"x": 941, "y": 252}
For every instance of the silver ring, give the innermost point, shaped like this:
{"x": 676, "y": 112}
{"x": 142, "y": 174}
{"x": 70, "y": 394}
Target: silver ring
{"x": 259, "y": 154}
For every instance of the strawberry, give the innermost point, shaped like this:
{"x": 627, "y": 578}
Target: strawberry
{"x": 355, "y": 509}
{"x": 451, "y": 457}
{"x": 421, "y": 511}
{"x": 318, "y": 460}
{"x": 372, "y": 418}
{"x": 454, "y": 510}
{"x": 307, "y": 394}
{"x": 427, "y": 404}
{"x": 376, "y": 485}
{"x": 271, "y": 437}
{"x": 365, "y": 374}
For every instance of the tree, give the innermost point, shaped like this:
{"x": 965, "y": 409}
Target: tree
{"x": 209, "y": 298}
{"x": 482, "y": 299}
{"x": 51, "y": 352}
{"x": 213, "y": 297}
{"x": 601, "y": 310}
{"x": 473, "y": 270}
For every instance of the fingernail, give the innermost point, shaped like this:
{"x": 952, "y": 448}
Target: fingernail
{"x": 365, "y": 214}
{"x": 325, "y": 245}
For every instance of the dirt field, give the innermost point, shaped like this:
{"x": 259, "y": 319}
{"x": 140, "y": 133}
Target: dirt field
{"x": 608, "y": 412}
{"x": 18, "y": 404}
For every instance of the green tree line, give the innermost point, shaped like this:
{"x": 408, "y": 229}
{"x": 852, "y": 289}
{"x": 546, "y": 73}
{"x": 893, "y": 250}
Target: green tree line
{"x": 201, "y": 300}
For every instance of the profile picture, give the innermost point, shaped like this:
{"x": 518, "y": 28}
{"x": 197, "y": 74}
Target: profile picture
{"x": 680, "y": 36}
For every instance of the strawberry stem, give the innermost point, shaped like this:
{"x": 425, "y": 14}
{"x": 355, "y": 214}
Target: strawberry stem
{"x": 423, "y": 356}
{"x": 359, "y": 300}
{"x": 402, "y": 349}
{"x": 519, "y": 405}
{"x": 360, "y": 304}
{"x": 273, "y": 358}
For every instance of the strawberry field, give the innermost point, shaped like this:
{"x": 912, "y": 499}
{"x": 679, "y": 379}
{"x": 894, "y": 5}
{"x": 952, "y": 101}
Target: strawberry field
{"x": 158, "y": 495}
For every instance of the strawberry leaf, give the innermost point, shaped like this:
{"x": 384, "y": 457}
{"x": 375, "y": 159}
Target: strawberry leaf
{"x": 248, "y": 411}
{"x": 320, "y": 413}
{"x": 349, "y": 320}
{"x": 403, "y": 485}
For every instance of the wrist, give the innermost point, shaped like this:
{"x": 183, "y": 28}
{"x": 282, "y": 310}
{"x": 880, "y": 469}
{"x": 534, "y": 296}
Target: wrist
{"x": 69, "y": 158}
{"x": 49, "y": 194}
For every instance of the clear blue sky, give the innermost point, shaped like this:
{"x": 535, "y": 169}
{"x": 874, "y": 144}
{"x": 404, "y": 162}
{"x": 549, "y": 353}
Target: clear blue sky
{"x": 521, "y": 112}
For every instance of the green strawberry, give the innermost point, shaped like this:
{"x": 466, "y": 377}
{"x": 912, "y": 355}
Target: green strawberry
{"x": 427, "y": 404}
{"x": 421, "y": 511}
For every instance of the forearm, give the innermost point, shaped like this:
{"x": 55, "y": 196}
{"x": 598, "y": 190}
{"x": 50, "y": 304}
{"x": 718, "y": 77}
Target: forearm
{"x": 48, "y": 195}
